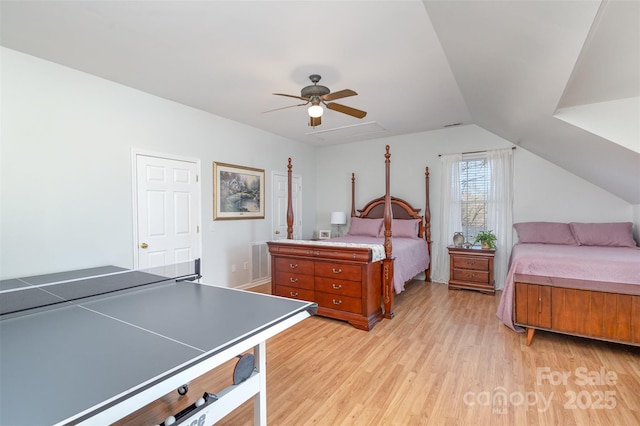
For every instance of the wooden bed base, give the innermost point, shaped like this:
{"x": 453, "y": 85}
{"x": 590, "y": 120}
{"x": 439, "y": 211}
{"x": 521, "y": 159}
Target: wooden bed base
{"x": 585, "y": 312}
{"x": 301, "y": 270}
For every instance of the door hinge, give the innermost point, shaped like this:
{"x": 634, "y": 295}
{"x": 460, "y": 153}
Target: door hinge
{"x": 197, "y": 229}
{"x": 197, "y": 178}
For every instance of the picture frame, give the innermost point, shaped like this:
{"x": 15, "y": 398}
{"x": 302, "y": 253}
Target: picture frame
{"x": 238, "y": 192}
{"x": 324, "y": 235}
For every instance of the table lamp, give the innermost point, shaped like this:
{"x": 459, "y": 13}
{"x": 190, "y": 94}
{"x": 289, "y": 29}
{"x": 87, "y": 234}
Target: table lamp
{"x": 338, "y": 219}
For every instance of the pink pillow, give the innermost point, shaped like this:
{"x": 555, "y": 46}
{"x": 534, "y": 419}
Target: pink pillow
{"x": 617, "y": 234}
{"x": 402, "y": 228}
{"x": 545, "y": 233}
{"x": 364, "y": 227}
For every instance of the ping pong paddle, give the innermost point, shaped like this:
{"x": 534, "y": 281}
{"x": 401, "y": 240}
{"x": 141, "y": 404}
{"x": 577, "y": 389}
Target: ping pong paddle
{"x": 244, "y": 368}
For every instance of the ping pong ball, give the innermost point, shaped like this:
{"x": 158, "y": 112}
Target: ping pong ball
{"x": 199, "y": 402}
{"x": 170, "y": 420}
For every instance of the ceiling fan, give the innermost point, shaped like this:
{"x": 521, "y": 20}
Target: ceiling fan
{"x": 318, "y": 95}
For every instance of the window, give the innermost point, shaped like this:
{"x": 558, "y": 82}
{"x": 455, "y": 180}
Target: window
{"x": 474, "y": 195}
{"x": 477, "y": 194}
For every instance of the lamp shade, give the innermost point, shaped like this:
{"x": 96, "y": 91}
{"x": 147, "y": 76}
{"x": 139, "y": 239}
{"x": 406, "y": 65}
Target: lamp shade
{"x": 315, "y": 111}
{"x": 338, "y": 218}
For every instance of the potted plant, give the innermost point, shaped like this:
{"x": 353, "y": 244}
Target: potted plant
{"x": 487, "y": 239}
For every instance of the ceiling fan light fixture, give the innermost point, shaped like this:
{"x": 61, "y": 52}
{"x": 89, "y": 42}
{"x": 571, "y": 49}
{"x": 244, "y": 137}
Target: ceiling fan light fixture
{"x": 318, "y": 95}
{"x": 315, "y": 111}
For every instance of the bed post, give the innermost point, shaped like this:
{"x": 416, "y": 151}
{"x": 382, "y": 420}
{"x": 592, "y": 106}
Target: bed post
{"x": 427, "y": 229}
{"x": 353, "y": 194}
{"x": 289, "y": 204}
{"x": 387, "y": 264}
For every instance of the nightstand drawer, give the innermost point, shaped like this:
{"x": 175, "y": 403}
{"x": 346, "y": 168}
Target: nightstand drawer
{"x": 296, "y": 280}
{"x": 294, "y": 265}
{"x": 341, "y": 303}
{"x": 338, "y": 271}
{"x": 339, "y": 287}
{"x": 295, "y": 293}
{"x": 470, "y": 275}
{"x": 467, "y": 262}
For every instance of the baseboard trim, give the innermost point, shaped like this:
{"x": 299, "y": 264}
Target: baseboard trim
{"x": 254, "y": 284}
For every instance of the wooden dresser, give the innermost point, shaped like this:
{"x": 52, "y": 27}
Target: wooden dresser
{"x": 344, "y": 283}
{"x": 471, "y": 269}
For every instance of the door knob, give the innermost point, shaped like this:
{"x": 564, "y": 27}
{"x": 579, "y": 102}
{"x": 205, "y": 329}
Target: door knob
{"x": 144, "y": 245}
{"x": 277, "y": 232}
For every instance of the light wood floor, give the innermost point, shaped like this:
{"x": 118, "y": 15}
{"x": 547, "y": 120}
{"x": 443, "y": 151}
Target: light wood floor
{"x": 445, "y": 359}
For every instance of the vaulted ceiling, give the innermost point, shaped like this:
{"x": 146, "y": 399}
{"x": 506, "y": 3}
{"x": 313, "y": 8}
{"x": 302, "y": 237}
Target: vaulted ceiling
{"x": 559, "y": 78}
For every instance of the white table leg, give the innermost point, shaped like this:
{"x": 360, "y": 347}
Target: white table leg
{"x": 260, "y": 400}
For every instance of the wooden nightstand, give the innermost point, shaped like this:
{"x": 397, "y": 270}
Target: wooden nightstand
{"x": 471, "y": 269}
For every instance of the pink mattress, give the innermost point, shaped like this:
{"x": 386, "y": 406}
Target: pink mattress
{"x": 613, "y": 269}
{"x": 411, "y": 256}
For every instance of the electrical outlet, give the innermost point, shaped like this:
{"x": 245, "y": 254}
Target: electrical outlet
{"x": 245, "y": 266}
{"x": 233, "y": 267}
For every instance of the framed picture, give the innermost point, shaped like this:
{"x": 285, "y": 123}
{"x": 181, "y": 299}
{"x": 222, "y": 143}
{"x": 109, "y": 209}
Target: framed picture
{"x": 238, "y": 192}
{"x": 324, "y": 235}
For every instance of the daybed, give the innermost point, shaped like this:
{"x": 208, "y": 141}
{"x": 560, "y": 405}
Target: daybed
{"x": 581, "y": 279}
{"x": 354, "y": 278}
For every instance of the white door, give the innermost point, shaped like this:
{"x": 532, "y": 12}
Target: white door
{"x": 168, "y": 211}
{"x": 279, "y": 184}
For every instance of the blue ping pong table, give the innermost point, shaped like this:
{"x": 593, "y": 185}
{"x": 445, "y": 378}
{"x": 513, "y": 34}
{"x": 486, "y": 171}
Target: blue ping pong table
{"x": 75, "y": 349}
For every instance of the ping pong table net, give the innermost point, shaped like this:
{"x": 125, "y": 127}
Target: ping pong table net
{"x": 44, "y": 291}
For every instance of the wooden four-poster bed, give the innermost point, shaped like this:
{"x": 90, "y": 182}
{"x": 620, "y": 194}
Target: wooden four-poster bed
{"x": 355, "y": 277}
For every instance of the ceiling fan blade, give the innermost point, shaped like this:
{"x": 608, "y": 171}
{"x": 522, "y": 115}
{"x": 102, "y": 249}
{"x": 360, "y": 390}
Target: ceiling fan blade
{"x": 293, "y": 96}
{"x": 290, "y": 106}
{"x": 339, "y": 95}
{"x": 315, "y": 121}
{"x": 346, "y": 110}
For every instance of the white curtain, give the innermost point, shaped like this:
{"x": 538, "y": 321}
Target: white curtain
{"x": 450, "y": 214}
{"x": 500, "y": 212}
{"x": 500, "y": 209}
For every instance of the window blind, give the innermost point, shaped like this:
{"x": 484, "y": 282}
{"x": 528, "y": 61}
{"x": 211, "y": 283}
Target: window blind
{"x": 474, "y": 188}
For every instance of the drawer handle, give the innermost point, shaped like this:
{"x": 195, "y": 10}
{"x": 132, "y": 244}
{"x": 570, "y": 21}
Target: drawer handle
{"x": 337, "y": 286}
{"x": 293, "y": 280}
{"x": 337, "y": 271}
{"x": 293, "y": 294}
{"x": 337, "y": 302}
{"x": 293, "y": 265}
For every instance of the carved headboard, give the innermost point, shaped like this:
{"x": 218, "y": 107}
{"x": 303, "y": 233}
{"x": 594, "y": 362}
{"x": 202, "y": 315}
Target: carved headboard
{"x": 400, "y": 210}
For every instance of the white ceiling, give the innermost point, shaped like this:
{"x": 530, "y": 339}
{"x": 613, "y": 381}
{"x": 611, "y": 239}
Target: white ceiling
{"x": 506, "y": 66}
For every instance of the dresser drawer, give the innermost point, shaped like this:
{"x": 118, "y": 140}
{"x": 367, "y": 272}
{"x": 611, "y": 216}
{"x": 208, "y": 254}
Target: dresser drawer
{"x": 338, "y": 302}
{"x": 294, "y": 265}
{"x": 340, "y": 271}
{"x": 294, "y": 293}
{"x": 293, "y": 279}
{"x": 471, "y": 275}
{"x": 338, "y": 287}
{"x": 467, "y": 262}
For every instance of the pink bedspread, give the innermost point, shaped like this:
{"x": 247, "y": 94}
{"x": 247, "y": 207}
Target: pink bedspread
{"x": 562, "y": 263}
{"x": 411, "y": 256}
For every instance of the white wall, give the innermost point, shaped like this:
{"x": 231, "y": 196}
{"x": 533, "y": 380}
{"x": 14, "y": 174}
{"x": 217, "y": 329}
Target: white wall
{"x": 543, "y": 191}
{"x": 66, "y": 185}
{"x": 615, "y": 120}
